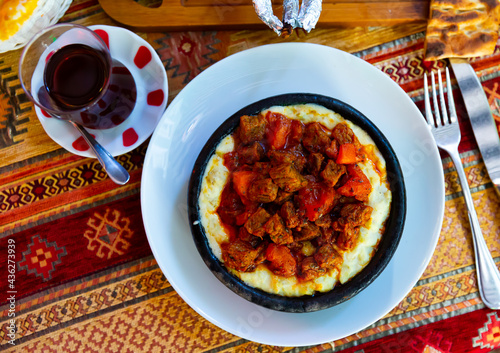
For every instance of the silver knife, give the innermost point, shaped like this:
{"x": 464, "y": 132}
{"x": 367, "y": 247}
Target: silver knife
{"x": 483, "y": 124}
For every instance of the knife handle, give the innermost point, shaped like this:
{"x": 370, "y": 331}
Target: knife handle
{"x": 488, "y": 276}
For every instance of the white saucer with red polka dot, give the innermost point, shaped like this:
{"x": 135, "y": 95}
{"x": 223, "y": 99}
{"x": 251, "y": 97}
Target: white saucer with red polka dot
{"x": 139, "y": 57}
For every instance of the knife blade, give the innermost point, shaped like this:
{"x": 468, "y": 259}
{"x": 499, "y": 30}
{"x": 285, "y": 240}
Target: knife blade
{"x": 483, "y": 124}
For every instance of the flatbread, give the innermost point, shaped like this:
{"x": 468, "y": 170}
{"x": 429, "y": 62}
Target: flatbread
{"x": 461, "y": 28}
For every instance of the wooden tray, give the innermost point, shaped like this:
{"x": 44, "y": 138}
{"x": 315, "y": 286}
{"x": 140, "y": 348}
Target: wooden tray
{"x": 240, "y": 14}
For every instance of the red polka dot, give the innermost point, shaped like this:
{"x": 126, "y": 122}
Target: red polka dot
{"x": 143, "y": 57}
{"x": 45, "y": 114}
{"x": 156, "y": 97}
{"x": 80, "y": 144}
{"x": 104, "y": 36}
{"x": 129, "y": 137}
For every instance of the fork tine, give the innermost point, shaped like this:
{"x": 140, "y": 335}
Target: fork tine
{"x": 437, "y": 116}
{"x": 444, "y": 111}
{"x": 451, "y": 102}
{"x": 428, "y": 111}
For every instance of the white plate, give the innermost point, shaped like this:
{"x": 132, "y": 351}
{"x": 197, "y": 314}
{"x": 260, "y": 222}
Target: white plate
{"x": 242, "y": 79}
{"x": 150, "y": 81}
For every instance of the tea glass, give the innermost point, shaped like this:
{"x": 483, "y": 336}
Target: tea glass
{"x": 102, "y": 110}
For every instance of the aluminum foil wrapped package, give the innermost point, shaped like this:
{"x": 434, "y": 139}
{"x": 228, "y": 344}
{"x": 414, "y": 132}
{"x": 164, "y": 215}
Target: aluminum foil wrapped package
{"x": 309, "y": 14}
{"x": 264, "y": 10}
{"x": 291, "y": 13}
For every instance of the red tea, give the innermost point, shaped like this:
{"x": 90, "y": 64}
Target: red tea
{"x": 75, "y": 76}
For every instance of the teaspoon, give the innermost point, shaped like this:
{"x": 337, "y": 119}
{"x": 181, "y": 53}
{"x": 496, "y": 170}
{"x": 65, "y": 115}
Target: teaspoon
{"x": 115, "y": 170}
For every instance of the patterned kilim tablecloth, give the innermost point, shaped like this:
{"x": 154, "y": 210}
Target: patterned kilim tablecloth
{"x": 85, "y": 278}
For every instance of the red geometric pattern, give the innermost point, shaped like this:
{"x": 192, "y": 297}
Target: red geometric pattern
{"x": 107, "y": 233}
{"x": 10, "y": 106}
{"x": 41, "y": 258}
{"x": 489, "y": 334}
{"x": 430, "y": 342}
{"x": 403, "y": 69}
{"x": 187, "y": 53}
{"x": 49, "y": 186}
{"x": 68, "y": 233}
{"x": 79, "y": 311}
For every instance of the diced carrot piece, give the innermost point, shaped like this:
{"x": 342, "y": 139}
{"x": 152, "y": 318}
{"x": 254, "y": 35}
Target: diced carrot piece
{"x": 354, "y": 171}
{"x": 347, "y": 154}
{"x": 282, "y": 261}
{"x": 357, "y": 186}
{"x": 242, "y": 181}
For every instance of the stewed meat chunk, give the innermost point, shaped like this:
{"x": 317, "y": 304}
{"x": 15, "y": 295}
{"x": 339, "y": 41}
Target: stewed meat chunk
{"x": 262, "y": 168}
{"x": 290, "y": 215}
{"x": 328, "y": 236}
{"x": 277, "y": 230}
{"x": 248, "y": 238}
{"x": 296, "y": 158}
{"x": 287, "y": 177}
{"x": 315, "y": 138}
{"x": 348, "y": 236}
{"x": 240, "y": 255}
{"x": 282, "y": 197}
{"x": 252, "y": 128}
{"x": 327, "y": 257}
{"x": 356, "y": 213}
{"x": 255, "y": 224}
{"x": 251, "y": 153}
{"x": 324, "y": 221}
{"x": 263, "y": 190}
{"x": 332, "y": 173}
{"x": 344, "y": 134}
{"x": 307, "y": 231}
{"x": 332, "y": 150}
{"x": 295, "y": 137}
{"x": 309, "y": 269}
{"x": 315, "y": 162}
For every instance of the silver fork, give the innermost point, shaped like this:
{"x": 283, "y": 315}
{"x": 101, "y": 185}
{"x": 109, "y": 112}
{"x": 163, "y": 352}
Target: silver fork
{"x": 446, "y": 133}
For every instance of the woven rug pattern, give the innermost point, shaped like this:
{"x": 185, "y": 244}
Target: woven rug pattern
{"x": 86, "y": 280}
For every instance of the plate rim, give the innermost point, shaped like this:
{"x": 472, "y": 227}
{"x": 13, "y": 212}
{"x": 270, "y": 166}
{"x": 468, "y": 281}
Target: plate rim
{"x": 333, "y": 53}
